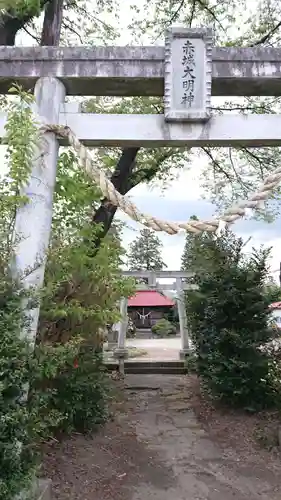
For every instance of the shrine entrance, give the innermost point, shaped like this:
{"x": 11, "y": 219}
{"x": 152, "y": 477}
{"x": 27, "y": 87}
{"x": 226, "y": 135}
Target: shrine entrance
{"x": 151, "y": 304}
{"x": 145, "y": 320}
{"x": 142, "y": 318}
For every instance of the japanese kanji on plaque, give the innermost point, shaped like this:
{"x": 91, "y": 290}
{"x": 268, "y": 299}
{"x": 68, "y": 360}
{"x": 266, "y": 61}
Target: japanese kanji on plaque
{"x": 188, "y": 75}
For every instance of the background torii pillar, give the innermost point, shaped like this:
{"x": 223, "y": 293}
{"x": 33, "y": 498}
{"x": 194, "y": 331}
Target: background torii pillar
{"x": 121, "y": 352}
{"x": 152, "y": 280}
{"x": 185, "y": 339}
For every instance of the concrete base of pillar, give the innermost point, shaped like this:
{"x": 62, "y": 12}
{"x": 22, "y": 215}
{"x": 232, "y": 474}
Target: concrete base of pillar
{"x": 44, "y": 490}
{"x": 112, "y": 336}
{"x": 112, "y": 346}
{"x": 184, "y": 353}
{"x": 120, "y": 353}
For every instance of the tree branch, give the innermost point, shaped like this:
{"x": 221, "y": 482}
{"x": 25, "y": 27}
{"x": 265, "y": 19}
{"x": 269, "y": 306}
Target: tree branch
{"x": 236, "y": 108}
{"x": 216, "y": 163}
{"x": 122, "y": 182}
{"x": 71, "y": 28}
{"x": 267, "y": 36}
{"x": 238, "y": 177}
{"x": 209, "y": 10}
{"x": 124, "y": 178}
{"x": 37, "y": 39}
{"x": 176, "y": 13}
{"x": 192, "y": 13}
{"x": 255, "y": 157}
{"x": 172, "y": 18}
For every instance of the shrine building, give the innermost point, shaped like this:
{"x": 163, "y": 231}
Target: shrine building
{"x": 147, "y": 307}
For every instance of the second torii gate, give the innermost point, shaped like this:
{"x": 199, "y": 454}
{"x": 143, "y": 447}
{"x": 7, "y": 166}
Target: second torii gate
{"x": 179, "y": 286}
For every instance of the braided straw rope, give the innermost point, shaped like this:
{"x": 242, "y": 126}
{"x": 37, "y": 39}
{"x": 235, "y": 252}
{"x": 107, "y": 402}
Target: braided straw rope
{"x": 123, "y": 202}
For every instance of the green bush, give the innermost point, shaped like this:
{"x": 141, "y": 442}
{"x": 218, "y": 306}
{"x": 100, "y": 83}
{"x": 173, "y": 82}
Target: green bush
{"x": 17, "y": 423}
{"x": 228, "y": 317}
{"x": 190, "y": 363}
{"x": 66, "y": 384}
{"x": 163, "y": 328}
{"x": 82, "y": 392}
{"x": 131, "y": 329}
{"x": 29, "y": 399}
{"x": 60, "y": 383}
{"x": 82, "y": 286}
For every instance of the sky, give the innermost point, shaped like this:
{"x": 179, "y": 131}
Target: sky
{"x": 183, "y": 198}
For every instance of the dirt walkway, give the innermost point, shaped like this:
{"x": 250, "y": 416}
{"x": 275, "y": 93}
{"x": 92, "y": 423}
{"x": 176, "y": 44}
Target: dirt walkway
{"x": 156, "y": 450}
{"x": 157, "y": 349}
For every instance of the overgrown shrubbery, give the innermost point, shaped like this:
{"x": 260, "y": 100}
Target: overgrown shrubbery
{"x": 163, "y": 328}
{"x": 16, "y": 422}
{"x": 81, "y": 392}
{"x": 82, "y": 287}
{"x": 66, "y": 384}
{"x": 228, "y": 318}
{"x": 27, "y": 416}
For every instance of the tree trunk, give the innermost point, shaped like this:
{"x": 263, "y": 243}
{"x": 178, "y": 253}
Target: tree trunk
{"x": 11, "y": 24}
{"x": 52, "y": 23}
{"x": 122, "y": 181}
{"x": 9, "y": 27}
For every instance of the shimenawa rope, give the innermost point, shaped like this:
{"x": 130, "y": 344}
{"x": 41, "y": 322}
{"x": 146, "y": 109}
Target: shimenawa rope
{"x": 124, "y": 203}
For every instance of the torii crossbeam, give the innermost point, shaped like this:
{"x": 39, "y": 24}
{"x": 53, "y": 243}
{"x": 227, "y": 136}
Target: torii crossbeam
{"x": 137, "y": 71}
{"x": 155, "y": 71}
{"x": 153, "y": 131}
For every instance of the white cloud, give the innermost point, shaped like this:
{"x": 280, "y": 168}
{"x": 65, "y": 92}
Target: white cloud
{"x": 186, "y": 185}
{"x": 182, "y": 200}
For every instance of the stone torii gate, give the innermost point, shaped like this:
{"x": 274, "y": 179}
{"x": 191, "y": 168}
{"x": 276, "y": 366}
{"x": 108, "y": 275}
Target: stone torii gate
{"x": 187, "y": 71}
{"x": 179, "y": 285}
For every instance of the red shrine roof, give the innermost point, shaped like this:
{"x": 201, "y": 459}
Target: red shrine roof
{"x": 151, "y": 298}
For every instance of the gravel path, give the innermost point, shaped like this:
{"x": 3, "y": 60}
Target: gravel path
{"x": 157, "y": 349}
{"x": 155, "y": 449}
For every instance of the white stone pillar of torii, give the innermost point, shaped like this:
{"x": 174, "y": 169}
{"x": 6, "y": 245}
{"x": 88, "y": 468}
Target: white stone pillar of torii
{"x": 34, "y": 218}
{"x": 186, "y": 346}
{"x": 121, "y": 352}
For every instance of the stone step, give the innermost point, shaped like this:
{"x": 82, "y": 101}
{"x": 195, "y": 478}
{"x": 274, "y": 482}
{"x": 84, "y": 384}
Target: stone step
{"x": 146, "y": 362}
{"x": 144, "y": 333}
{"x": 147, "y": 367}
{"x": 168, "y": 370}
